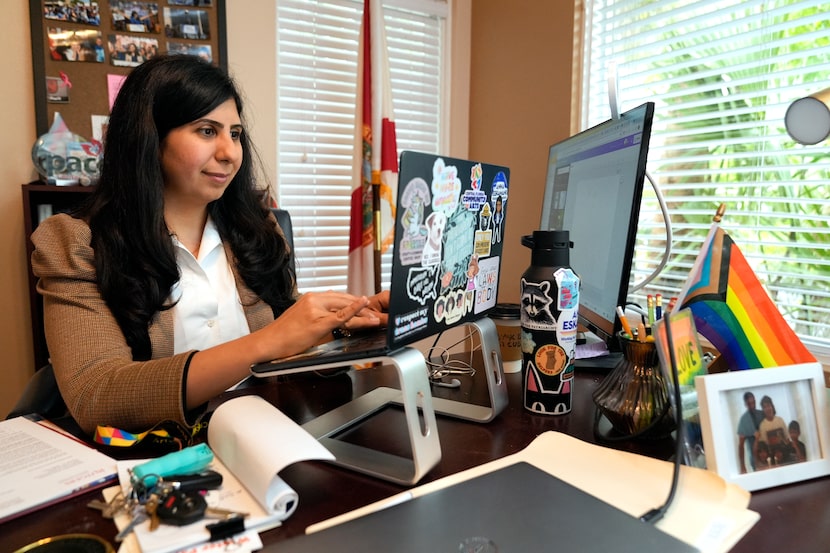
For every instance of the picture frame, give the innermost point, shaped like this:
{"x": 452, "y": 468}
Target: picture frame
{"x": 795, "y": 398}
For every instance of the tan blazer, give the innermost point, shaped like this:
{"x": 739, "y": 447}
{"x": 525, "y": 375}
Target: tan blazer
{"x": 96, "y": 374}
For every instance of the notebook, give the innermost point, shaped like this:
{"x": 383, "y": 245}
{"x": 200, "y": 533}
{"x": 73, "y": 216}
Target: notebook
{"x": 448, "y": 240}
{"x": 515, "y": 508}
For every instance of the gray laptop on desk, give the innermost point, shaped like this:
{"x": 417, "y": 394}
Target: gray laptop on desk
{"x": 518, "y": 508}
{"x": 449, "y": 234}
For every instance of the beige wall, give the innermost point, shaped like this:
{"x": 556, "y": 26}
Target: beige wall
{"x": 510, "y": 58}
{"x": 520, "y": 92}
{"x": 18, "y": 122}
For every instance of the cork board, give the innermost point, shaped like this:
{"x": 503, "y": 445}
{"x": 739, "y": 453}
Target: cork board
{"x": 82, "y": 49}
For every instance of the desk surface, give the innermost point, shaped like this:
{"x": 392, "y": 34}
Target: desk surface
{"x": 793, "y": 518}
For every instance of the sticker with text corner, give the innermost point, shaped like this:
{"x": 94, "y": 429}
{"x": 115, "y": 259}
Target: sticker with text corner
{"x": 414, "y": 199}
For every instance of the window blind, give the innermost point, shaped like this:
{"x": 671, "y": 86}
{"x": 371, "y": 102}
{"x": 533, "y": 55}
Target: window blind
{"x": 722, "y": 74}
{"x": 317, "y": 57}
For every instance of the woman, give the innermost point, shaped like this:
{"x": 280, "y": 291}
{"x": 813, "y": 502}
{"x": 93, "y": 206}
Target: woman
{"x": 174, "y": 278}
{"x": 772, "y": 429}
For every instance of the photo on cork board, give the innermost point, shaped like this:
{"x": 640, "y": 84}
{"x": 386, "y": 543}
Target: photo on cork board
{"x": 186, "y": 24}
{"x": 85, "y": 45}
{"x": 131, "y": 50}
{"x": 190, "y": 2}
{"x": 765, "y": 427}
{"x": 203, "y": 51}
{"x": 135, "y": 17}
{"x": 72, "y": 11}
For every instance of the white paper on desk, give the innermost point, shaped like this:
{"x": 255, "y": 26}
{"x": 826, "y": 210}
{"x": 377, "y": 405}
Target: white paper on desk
{"x": 255, "y": 440}
{"x": 39, "y": 466}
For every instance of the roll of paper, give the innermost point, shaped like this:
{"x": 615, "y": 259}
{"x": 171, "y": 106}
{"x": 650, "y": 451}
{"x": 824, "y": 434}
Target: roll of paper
{"x": 281, "y": 498}
{"x": 255, "y": 441}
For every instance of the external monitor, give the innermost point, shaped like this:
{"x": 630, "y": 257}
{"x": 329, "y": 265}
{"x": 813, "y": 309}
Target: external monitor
{"x": 593, "y": 190}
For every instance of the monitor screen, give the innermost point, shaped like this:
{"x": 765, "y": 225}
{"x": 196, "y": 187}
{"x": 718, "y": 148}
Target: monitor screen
{"x": 593, "y": 190}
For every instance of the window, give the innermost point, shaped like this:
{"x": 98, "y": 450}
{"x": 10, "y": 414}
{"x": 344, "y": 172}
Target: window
{"x": 722, "y": 74}
{"x": 317, "y": 57}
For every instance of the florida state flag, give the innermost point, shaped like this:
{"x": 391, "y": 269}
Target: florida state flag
{"x": 376, "y": 175}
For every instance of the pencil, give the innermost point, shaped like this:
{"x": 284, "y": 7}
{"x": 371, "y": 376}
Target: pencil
{"x": 624, "y": 321}
{"x": 658, "y": 307}
{"x": 650, "y": 300}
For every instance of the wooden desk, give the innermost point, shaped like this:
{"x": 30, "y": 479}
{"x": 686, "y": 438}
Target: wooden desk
{"x": 793, "y": 518}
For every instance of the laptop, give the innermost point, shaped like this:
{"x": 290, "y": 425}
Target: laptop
{"x": 515, "y": 508}
{"x": 448, "y": 241}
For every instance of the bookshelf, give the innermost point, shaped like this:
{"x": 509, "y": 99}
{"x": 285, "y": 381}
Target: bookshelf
{"x": 39, "y": 201}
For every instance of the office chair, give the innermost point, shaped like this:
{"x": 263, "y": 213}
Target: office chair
{"x": 41, "y": 395}
{"x": 284, "y": 220}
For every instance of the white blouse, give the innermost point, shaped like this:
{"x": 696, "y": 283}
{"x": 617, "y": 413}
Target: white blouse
{"x": 208, "y": 311}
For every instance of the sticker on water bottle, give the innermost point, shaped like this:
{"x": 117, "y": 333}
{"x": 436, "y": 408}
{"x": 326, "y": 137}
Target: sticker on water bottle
{"x": 568, "y": 284}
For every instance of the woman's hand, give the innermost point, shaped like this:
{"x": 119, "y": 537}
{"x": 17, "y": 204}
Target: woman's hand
{"x": 311, "y": 320}
{"x": 379, "y": 307}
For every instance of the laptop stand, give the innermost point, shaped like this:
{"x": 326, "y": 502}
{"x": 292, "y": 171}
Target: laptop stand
{"x": 420, "y": 407}
{"x": 415, "y": 396}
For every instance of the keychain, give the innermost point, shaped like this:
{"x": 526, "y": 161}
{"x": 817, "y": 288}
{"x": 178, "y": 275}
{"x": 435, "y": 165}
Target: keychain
{"x": 190, "y": 460}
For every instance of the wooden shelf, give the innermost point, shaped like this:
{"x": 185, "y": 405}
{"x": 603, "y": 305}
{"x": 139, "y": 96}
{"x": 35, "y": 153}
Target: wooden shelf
{"x": 36, "y": 196}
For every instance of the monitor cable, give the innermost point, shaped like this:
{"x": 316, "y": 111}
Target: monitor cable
{"x": 667, "y": 250}
{"x": 657, "y": 513}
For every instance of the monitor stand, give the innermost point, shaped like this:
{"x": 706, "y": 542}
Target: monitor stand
{"x": 601, "y": 363}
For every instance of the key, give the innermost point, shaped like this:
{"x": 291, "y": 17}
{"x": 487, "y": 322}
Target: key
{"x": 150, "y": 508}
{"x": 223, "y": 514}
{"x": 139, "y": 516}
{"x": 109, "y": 509}
{"x": 180, "y": 509}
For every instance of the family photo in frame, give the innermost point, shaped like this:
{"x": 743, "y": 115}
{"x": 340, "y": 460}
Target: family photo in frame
{"x": 765, "y": 427}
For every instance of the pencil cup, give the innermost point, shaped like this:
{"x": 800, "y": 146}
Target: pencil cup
{"x": 633, "y": 397}
{"x": 509, "y": 328}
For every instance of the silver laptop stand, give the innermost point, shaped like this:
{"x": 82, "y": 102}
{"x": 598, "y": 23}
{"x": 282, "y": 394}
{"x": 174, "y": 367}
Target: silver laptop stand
{"x": 415, "y": 396}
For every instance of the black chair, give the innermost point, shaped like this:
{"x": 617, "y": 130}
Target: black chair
{"x": 284, "y": 220}
{"x": 41, "y": 395}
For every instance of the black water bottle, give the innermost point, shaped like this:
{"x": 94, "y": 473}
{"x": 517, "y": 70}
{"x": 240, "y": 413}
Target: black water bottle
{"x": 549, "y": 307}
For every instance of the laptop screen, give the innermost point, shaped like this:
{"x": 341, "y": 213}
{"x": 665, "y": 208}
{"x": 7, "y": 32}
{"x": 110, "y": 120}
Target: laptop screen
{"x": 449, "y": 233}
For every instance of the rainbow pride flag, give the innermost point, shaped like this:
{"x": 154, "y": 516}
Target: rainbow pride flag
{"x": 733, "y": 310}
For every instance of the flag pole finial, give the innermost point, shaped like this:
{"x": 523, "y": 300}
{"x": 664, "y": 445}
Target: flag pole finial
{"x": 719, "y": 213}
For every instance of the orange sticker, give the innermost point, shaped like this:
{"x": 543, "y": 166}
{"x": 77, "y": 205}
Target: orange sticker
{"x": 551, "y": 359}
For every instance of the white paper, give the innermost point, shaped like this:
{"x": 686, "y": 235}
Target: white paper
{"x": 39, "y": 466}
{"x": 252, "y": 441}
{"x": 256, "y": 441}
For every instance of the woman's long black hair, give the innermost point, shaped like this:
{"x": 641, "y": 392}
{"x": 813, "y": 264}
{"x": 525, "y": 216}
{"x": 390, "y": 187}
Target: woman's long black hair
{"x": 134, "y": 255}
